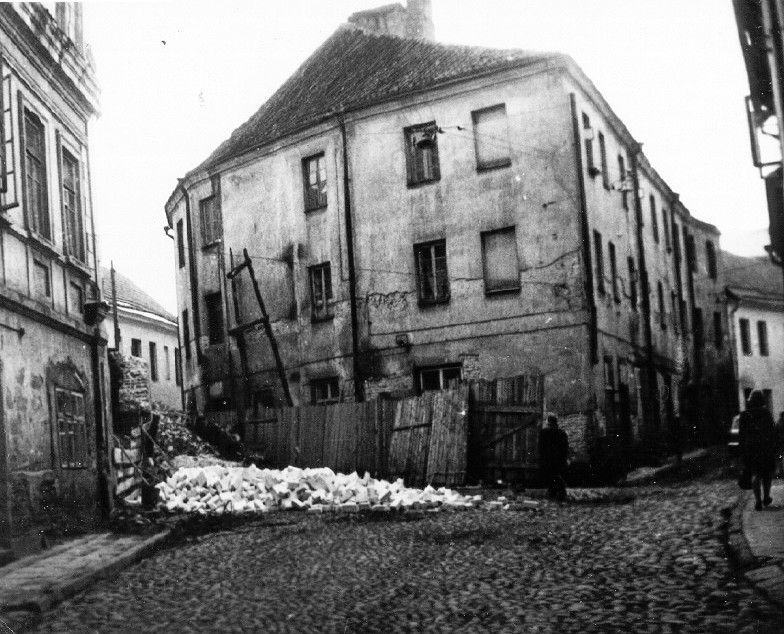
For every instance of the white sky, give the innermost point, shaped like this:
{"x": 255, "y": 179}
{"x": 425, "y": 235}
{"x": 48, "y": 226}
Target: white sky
{"x": 178, "y": 77}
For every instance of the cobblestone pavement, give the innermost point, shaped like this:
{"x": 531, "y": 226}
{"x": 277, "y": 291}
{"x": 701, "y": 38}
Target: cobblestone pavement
{"x": 653, "y": 565}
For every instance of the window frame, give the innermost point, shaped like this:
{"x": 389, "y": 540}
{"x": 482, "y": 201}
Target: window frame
{"x": 39, "y": 266}
{"x": 321, "y": 310}
{"x": 440, "y": 368}
{"x": 662, "y": 306}
{"x": 430, "y": 246}
{"x": 38, "y": 217}
{"x": 153, "y": 361}
{"x": 622, "y": 175}
{"x": 79, "y": 289}
{"x": 136, "y": 348}
{"x": 614, "y": 272}
{"x": 71, "y": 429}
{"x": 654, "y": 218}
{"x": 515, "y": 288}
{"x": 166, "y": 363}
{"x": 319, "y": 200}
{"x": 413, "y": 177}
{"x": 186, "y": 333}
{"x": 71, "y": 202}
{"x": 496, "y": 163}
{"x": 180, "y": 243}
{"x": 177, "y": 367}
{"x": 711, "y": 261}
{"x": 603, "y": 161}
{"x": 588, "y": 143}
{"x": 744, "y": 326}
{"x": 332, "y": 383}
{"x": 632, "y": 268}
{"x": 211, "y": 221}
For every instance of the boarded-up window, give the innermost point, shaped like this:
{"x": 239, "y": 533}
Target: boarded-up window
{"x": 491, "y": 137}
{"x": 76, "y": 299}
{"x": 422, "y": 153}
{"x": 42, "y": 283}
{"x": 71, "y": 429}
{"x": 211, "y": 229}
{"x": 432, "y": 274}
{"x": 314, "y": 173}
{"x": 499, "y": 258}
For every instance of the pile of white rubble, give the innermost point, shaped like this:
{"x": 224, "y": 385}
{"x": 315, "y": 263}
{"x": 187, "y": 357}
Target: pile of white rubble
{"x": 222, "y": 489}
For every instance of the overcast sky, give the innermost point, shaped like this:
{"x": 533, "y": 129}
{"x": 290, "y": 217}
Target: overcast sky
{"x": 178, "y": 77}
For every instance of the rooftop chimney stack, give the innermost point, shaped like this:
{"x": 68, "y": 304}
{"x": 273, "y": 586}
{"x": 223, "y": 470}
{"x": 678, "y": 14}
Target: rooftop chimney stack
{"x": 416, "y": 21}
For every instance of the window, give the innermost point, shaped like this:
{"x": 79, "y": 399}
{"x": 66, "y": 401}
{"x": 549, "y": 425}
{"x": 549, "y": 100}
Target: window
{"x": 213, "y": 303}
{"x": 597, "y": 248}
{"x": 762, "y": 337}
{"x": 325, "y": 391}
{"x": 674, "y": 306}
{"x": 432, "y": 275}
{"x": 180, "y": 244}
{"x": 314, "y": 173}
{"x": 676, "y": 239}
{"x": 632, "y": 283}
{"x": 422, "y": 153}
{"x": 186, "y": 334}
{"x": 72, "y": 207}
{"x": 603, "y": 159}
{"x": 491, "y": 137}
{"x": 588, "y": 135}
{"x": 35, "y": 175}
{"x": 662, "y": 313}
{"x": 691, "y": 254}
{"x": 42, "y": 283}
{"x": 438, "y": 377}
{"x": 654, "y": 219}
{"x": 136, "y": 348}
{"x": 76, "y": 299}
{"x": 321, "y": 291}
{"x": 499, "y": 259}
{"x": 614, "y": 273}
{"x": 718, "y": 332}
{"x": 209, "y": 212}
{"x": 177, "y": 367}
{"x": 263, "y": 398}
{"x": 699, "y": 329}
{"x": 153, "y": 362}
{"x": 622, "y": 175}
{"x": 666, "y": 227}
{"x": 167, "y": 362}
{"x": 71, "y": 429}
{"x": 710, "y": 256}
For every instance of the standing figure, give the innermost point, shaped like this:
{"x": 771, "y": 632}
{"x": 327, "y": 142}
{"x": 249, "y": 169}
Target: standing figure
{"x": 758, "y": 446}
{"x": 780, "y": 434}
{"x": 553, "y": 454}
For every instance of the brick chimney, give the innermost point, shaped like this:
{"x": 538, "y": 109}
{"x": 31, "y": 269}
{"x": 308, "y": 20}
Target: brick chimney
{"x": 416, "y": 21}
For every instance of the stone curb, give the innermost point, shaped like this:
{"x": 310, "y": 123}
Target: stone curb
{"x": 28, "y": 614}
{"x": 647, "y": 475}
{"x": 763, "y": 576}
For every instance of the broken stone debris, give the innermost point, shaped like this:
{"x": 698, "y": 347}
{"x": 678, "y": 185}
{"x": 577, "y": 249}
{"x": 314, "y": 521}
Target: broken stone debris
{"x": 221, "y": 489}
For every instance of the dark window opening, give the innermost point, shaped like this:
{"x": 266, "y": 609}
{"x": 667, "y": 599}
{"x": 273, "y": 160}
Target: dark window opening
{"x": 666, "y": 229}
{"x": 745, "y": 337}
{"x": 710, "y": 256}
{"x": 762, "y": 336}
{"x": 439, "y": 377}
{"x": 654, "y": 219}
{"x": 177, "y": 367}
{"x": 180, "y": 244}
{"x": 153, "y": 362}
{"x": 632, "y": 283}
{"x": 614, "y": 272}
{"x": 603, "y": 159}
{"x": 662, "y": 311}
{"x": 325, "y": 391}
{"x": 699, "y": 329}
{"x": 588, "y": 136}
{"x": 136, "y": 348}
{"x": 186, "y": 334}
{"x": 623, "y": 186}
{"x": 599, "y": 266}
{"x": 213, "y": 302}
{"x": 718, "y": 332}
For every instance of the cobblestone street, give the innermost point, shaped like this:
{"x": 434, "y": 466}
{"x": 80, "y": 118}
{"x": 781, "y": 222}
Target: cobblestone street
{"x": 653, "y": 565}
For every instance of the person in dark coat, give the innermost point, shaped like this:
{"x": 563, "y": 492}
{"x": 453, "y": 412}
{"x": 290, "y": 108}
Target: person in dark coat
{"x": 758, "y": 446}
{"x": 553, "y": 455}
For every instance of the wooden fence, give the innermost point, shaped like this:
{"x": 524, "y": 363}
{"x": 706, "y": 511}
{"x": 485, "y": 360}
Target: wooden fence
{"x": 128, "y": 457}
{"x": 485, "y": 430}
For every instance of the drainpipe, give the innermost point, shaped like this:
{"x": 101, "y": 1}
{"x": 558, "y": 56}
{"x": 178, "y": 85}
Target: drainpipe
{"x": 586, "y": 239}
{"x": 195, "y": 315}
{"x": 651, "y": 413}
{"x": 352, "y": 278}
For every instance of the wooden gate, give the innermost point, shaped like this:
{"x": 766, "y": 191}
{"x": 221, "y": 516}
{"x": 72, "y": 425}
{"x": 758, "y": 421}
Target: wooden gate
{"x": 506, "y": 417}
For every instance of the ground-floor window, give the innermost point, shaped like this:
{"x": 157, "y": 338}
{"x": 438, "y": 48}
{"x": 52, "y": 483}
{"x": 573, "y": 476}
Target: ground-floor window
{"x": 438, "y": 377}
{"x": 71, "y": 429}
{"x": 324, "y": 391}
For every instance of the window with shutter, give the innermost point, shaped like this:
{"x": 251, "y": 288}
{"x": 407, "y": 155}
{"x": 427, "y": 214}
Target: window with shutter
{"x": 211, "y": 229}
{"x": 491, "y": 137}
{"x": 72, "y": 206}
{"x": 499, "y": 257}
{"x": 314, "y": 173}
{"x": 422, "y": 153}
{"x": 35, "y": 175}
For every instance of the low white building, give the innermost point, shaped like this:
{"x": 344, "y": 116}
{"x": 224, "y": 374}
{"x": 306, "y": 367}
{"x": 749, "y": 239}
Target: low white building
{"x": 149, "y": 331}
{"x": 756, "y": 291}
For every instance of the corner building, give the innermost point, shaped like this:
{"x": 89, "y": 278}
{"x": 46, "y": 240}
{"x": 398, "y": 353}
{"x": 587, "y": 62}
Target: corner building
{"x": 53, "y": 421}
{"x": 418, "y": 212}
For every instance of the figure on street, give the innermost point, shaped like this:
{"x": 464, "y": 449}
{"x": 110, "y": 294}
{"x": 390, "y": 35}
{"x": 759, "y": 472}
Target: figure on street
{"x": 553, "y": 455}
{"x": 758, "y": 446}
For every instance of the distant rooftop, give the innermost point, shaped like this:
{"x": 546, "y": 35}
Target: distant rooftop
{"x": 755, "y": 277}
{"x": 130, "y": 296}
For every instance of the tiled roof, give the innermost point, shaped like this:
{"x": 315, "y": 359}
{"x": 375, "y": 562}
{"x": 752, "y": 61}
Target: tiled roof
{"x": 355, "y": 68}
{"x": 754, "y": 276}
{"x": 131, "y": 296}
